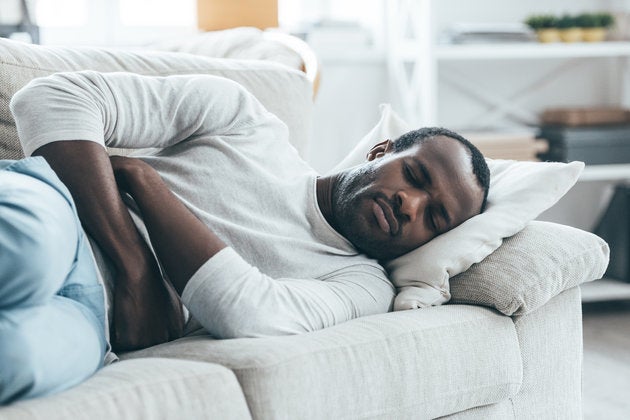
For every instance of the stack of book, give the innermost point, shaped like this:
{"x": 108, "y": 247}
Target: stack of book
{"x": 593, "y": 135}
{"x": 515, "y": 146}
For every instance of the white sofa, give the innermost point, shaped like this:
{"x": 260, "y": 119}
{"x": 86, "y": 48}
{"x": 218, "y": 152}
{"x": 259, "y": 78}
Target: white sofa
{"x": 509, "y": 346}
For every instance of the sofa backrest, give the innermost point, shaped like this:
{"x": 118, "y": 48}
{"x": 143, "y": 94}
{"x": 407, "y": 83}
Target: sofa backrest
{"x": 283, "y": 91}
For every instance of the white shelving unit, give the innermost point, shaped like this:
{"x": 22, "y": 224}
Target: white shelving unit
{"x": 414, "y": 59}
{"x": 529, "y": 51}
{"x": 607, "y": 288}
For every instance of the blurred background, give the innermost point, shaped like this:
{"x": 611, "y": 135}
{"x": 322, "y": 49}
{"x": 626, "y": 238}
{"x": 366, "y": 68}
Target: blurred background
{"x": 535, "y": 80}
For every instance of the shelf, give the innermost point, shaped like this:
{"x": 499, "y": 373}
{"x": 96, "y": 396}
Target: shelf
{"x": 532, "y": 50}
{"x": 616, "y": 172}
{"x": 605, "y": 289}
{"x": 523, "y": 50}
{"x": 417, "y": 70}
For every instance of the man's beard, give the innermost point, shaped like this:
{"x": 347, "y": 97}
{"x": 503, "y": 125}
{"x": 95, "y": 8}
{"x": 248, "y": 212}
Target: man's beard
{"x": 349, "y": 193}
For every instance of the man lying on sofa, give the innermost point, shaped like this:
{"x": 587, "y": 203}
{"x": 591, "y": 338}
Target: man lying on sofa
{"x": 245, "y": 232}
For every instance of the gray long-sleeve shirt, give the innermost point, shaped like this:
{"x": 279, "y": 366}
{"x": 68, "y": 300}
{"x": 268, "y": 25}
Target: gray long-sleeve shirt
{"x": 229, "y": 160}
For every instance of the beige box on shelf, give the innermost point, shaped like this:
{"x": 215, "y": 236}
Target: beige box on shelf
{"x": 585, "y": 116}
{"x": 506, "y": 145}
{"x": 215, "y": 15}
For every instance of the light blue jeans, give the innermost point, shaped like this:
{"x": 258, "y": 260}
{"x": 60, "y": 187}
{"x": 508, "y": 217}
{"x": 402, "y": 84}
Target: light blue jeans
{"x": 52, "y": 308}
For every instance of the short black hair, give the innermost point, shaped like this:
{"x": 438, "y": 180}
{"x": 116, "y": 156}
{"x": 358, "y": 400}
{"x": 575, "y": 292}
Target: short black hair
{"x": 479, "y": 165}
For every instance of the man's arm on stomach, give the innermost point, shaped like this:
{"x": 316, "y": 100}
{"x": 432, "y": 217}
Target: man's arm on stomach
{"x": 182, "y": 242}
{"x": 145, "y": 313}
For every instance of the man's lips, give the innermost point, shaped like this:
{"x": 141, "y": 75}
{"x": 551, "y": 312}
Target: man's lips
{"x": 385, "y": 217}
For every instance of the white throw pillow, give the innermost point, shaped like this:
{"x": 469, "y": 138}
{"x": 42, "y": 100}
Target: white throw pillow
{"x": 519, "y": 192}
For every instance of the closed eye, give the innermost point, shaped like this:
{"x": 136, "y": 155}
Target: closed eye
{"x": 437, "y": 219}
{"x": 410, "y": 176}
{"x": 432, "y": 222}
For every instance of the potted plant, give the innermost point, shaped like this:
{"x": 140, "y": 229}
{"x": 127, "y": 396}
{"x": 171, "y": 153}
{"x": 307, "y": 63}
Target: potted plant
{"x": 595, "y": 25}
{"x": 569, "y": 29}
{"x": 545, "y": 27}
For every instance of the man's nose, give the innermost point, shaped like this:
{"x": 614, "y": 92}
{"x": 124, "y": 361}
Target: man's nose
{"x": 412, "y": 203}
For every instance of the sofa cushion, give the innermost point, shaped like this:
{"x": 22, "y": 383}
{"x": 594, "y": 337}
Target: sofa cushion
{"x": 283, "y": 91}
{"x": 143, "y": 389}
{"x": 531, "y": 267}
{"x": 411, "y": 364}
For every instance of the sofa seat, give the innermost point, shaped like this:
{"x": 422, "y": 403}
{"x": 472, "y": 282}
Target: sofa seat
{"x": 143, "y": 389}
{"x": 372, "y": 366}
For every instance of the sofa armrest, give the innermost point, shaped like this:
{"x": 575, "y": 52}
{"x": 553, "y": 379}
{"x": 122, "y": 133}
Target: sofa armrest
{"x": 531, "y": 267}
{"x": 249, "y": 43}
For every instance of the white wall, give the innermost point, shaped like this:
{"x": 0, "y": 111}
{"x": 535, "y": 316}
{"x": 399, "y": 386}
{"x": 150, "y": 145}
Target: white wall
{"x": 346, "y": 107}
{"x": 113, "y": 22}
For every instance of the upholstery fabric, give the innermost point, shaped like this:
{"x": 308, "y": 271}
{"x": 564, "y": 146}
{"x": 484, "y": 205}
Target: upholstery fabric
{"x": 143, "y": 389}
{"x": 499, "y": 411}
{"x": 519, "y": 278}
{"x": 410, "y": 364}
{"x": 551, "y": 348}
{"x": 284, "y": 92}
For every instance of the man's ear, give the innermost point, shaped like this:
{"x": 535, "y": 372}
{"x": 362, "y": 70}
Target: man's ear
{"x": 380, "y": 150}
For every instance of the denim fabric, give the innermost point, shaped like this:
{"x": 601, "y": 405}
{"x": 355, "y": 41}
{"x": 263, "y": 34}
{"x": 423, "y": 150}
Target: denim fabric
{"x": 52, "y": 307}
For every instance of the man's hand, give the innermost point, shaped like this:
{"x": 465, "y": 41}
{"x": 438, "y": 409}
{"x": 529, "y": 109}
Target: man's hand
{"x": 147, "y": 311}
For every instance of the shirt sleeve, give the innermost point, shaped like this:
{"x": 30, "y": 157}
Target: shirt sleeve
{"x": 126, "y": 110}
{"x": 232, "y": 299}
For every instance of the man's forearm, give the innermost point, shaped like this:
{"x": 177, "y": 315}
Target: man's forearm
{"x": 181, "y": 241}
{"x": 84, "y": 167}
{"x": 146, "y": 311}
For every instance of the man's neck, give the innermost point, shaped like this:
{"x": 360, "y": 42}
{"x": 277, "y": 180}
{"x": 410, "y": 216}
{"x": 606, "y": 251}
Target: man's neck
{"x": 324, "y": 187}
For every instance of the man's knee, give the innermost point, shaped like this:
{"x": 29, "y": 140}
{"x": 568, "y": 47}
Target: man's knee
{"x": 32, "y": 267}
{"x": 38, "y": 244}
{"x": 48, "y": 348}
{"x": 16, "y": 364}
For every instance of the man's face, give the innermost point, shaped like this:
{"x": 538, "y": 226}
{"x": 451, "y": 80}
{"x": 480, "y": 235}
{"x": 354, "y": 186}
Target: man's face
{"x": 399, "y": 201}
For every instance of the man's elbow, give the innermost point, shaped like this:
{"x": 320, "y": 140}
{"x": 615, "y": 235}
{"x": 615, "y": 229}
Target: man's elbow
{"x": 22, "y": 101}
{"x": 28, "y": 111}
